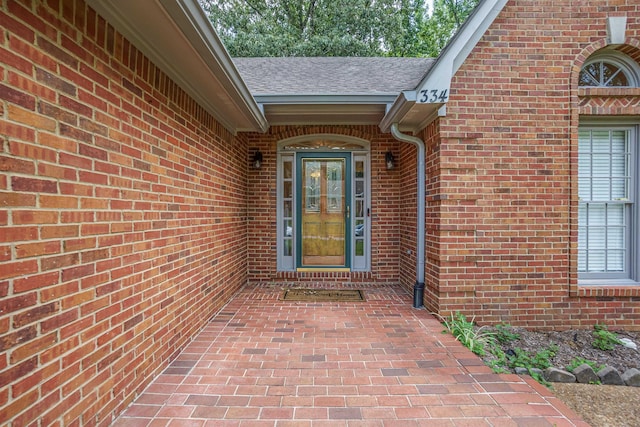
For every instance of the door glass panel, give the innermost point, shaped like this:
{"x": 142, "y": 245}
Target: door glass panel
{"x": 287, "y": 172}
{"x": 286, "y": 197}
{"x": 323, "y": 218}
{"x": 359, "y": 214}
{"x": 288, "y": 186}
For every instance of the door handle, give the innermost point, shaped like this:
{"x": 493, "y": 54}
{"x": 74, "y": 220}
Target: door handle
{"x": 348, "y": 211}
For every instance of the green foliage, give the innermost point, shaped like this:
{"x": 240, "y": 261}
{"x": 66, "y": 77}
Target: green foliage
{"x": 517, "y": 357}
{"x": 603, "y": 339}
{"x": 504, "y": 334}
{"x": 498, "y": 363}
{"x": 578, "y": 361}
{"x": 336, "y": 28}
{"x": 482, "y": 341}
{"x": 316, "y": 27}
{"x": 447, "y": 18}
{"x": 475, "y": 339}
{"x": 536, "y": 376}
{"x": 540, "y": 359}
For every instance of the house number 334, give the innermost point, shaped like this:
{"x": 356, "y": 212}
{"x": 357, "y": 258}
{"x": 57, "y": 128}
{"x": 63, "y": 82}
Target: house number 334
{"x": 434, "y": 95}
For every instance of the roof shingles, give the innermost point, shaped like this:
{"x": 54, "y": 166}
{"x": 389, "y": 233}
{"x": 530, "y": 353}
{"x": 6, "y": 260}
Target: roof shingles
{"x": 332, "y": 75}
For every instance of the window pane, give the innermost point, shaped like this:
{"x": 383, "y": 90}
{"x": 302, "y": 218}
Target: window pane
{"x": 619, "y": 141}
{"x": 600, "y": 189}
{"x": 359, "y": 188}
{"x": 618, "y": 189}
{"x": 615, "y": 238}
{"x": 615, "y": 261}
{"x": 287, "y": 169}
{"x": 590, "y": 75}
{"x": 601, "y": 165}
{"x": 600, "y": 141}
{"x": 582, "y": 260}
{"x": 603, "y": 73}
{"x": 596, "y": 261}
{"x": 615, "y": 215}
{"x": 584, "y": 188}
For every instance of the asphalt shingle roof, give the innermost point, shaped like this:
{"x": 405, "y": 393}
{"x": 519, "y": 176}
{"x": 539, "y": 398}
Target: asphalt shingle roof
{"x": 332, "y": 75}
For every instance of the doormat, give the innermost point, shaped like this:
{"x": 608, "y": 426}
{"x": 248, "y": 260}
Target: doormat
{"x": 323, "y": 295}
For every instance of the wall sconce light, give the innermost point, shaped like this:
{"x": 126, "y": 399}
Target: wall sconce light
{"x": 257, "y": 160}
{"x": 390, "y": 160}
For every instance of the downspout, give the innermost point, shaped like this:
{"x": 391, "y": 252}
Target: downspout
{"x": 418, "y": 288}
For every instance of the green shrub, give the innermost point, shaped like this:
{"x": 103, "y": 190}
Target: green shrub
{"x": 504, "y": 334}
{"x": 541, "y": 359}
{"x": 578, "y": 361}
{"x": 475, "y": 339}
{"x": 603, "y": 339}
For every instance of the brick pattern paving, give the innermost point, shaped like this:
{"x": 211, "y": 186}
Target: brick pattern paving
{"x": 266, "y": 362}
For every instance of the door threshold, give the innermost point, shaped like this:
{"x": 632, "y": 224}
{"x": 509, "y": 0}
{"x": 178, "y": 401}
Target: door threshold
{"x": 324, "y": 269}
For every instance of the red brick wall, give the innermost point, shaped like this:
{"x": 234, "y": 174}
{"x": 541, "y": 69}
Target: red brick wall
{"x": 385, "y": 209}
{"x": 122, "y": 217}
{"x": 508, "y": 209}
{"x": 433, "y": 200}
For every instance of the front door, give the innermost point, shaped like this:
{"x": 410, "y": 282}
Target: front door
{"x": 323, "y": 210}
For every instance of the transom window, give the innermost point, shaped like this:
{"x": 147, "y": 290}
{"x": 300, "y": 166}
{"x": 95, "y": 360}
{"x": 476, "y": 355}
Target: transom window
{"x": 612, "y": 69}
{"x": 607, "y": 213}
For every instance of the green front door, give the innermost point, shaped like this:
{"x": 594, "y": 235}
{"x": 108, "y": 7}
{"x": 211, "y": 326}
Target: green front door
{"x": 324, "y": 210}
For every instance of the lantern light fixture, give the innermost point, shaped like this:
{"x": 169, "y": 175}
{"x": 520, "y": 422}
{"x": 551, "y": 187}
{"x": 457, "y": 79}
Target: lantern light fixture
{"x": 257, "y": 159}
{"x": 390, "y": 160}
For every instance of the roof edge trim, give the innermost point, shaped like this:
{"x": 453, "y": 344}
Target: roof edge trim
{"x": 189, "y": 19}
{"x": 207, "y": 36}
{"x": 448, "y": 63}
{"x": 303, "y": 99}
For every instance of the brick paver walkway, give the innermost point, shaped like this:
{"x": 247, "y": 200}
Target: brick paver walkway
{"x": 266, "y": 362}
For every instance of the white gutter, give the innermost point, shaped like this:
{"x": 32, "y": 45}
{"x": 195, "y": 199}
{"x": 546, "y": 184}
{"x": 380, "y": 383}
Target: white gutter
{"x": 194, "y": 22}
{"x": 177, "y": 36}
{"x": 418, "y": 287}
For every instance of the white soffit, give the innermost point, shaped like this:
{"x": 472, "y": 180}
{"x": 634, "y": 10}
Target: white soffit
{"x": 324, "y": 109}
{"x": 177, "y": 36}
{"x": 413, "y": 110}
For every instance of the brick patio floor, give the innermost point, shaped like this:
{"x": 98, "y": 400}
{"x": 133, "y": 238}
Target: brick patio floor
{"x": 266, "y": 362}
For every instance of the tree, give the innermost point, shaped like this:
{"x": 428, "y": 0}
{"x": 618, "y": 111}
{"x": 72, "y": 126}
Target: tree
{"x": 317, "y": 27}
{"x": 336, "y": 27}
{"x": 445, "y": 21}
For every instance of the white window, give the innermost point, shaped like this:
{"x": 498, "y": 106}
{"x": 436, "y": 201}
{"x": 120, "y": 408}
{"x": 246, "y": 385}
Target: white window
{"x": 607, "y": 212}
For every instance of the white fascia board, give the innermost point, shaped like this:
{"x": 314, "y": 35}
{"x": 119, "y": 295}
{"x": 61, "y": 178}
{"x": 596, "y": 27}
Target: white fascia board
{"x": 436, "y": 85}
{"x": 381, "y": 99}
{"x": 196, "y": 26}
{"x": 458, "y": 49}
{"x": 177, "y": 36}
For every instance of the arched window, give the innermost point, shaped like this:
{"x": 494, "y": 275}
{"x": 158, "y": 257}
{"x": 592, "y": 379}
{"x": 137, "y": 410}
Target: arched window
{"x": 609, "y": 198}
{"x": 612, "y": 69}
